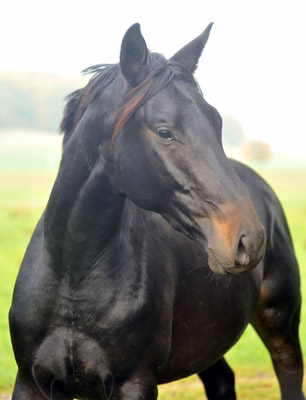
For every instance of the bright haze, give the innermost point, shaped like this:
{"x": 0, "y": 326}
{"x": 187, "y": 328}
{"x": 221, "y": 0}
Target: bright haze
{"x": 252, "y": 68}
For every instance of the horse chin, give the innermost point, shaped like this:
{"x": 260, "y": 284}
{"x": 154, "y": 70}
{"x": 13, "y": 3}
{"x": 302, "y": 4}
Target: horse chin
{"x": 227, "y": 268}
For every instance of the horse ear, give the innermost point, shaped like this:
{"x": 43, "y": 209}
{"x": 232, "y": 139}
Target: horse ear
{"x": 133, "y": 56}
{"x": 188, "y": 57}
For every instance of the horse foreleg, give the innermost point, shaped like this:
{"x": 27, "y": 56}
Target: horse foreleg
{"x": 26, "y": 389}
{"x": 138, "y": 387}
{"x": 219, "y": 381}
{"x": 277, "y": 325}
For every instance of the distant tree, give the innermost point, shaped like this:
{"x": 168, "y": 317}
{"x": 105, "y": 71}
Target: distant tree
{"x": 257, "y": 151}
{"x": 33, "y": 100}
{"x": 232, "y": 131}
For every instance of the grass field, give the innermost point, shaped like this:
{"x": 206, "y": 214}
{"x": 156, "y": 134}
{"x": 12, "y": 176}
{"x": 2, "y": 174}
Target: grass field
{"x": 23, "y": 196}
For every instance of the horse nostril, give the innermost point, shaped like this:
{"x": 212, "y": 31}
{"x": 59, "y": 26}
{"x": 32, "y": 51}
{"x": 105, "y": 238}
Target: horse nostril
{"x": 242, "y": 258}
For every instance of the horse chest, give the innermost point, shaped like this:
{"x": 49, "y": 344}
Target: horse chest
{"x": 210, "y": 315}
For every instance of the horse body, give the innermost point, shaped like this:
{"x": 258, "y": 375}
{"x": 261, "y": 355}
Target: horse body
{"x": 110, "y": 299}
{"x": 136, "y": 311}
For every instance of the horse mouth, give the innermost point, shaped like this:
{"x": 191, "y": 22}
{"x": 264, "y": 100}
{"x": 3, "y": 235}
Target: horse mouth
{"x": 235, "y": 255}
{"x": 229, "y": 269}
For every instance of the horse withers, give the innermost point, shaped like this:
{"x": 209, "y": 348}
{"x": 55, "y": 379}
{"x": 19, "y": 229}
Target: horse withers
{"x": 117, "y": 291}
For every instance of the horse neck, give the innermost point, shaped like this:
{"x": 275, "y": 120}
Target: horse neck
{"x": 83, "y": 215}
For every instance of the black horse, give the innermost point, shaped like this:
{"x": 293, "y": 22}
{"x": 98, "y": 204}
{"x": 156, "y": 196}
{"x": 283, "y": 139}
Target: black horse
{"x": 115, "y": 294}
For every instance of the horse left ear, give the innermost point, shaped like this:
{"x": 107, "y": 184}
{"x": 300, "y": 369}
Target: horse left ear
{"x": 133, "y": 56}
{"x": 188, "y": 57}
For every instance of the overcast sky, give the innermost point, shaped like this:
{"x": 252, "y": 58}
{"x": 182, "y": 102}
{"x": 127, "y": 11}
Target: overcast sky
{"x": 253, "y": 67}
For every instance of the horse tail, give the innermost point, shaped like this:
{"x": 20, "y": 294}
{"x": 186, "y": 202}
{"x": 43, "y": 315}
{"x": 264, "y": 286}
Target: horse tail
{"x": 62, "y": 363}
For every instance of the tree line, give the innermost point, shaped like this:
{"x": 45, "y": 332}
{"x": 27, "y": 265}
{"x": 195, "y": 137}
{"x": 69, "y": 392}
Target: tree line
{"x": 33, "y": 100}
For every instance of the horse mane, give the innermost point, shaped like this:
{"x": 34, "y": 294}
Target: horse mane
{"x": 161, "y": 73}
{"x": 78, "y": 101}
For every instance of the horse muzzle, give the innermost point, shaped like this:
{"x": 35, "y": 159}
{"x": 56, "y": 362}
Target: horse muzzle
{"x": 233, "y": 248}
{"x": 232, "y": 236}
{"x": 248, "y": 251}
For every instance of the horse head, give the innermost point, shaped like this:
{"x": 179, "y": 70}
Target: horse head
{"x": 169, "y": 158}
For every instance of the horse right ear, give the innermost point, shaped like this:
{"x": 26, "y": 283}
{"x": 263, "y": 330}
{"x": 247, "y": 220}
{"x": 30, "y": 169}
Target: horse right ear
{"x": 133, "y": 56}
{"x": 188, "y": 57}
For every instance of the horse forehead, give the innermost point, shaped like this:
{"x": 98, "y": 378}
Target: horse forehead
{"x": 188, "y": 91}
{"x": 177, "y": 96}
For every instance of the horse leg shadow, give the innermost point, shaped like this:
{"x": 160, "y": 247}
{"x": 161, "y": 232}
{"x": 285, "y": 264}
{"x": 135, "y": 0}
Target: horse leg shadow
{"x": 219, "y": 381}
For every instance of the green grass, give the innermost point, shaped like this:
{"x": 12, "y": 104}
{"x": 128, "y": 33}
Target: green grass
{"x": 22, "y": 199}
{"x": 23, "y": 196}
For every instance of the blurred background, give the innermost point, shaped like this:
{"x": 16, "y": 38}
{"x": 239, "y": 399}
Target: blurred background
{"x": 252, "y": 70}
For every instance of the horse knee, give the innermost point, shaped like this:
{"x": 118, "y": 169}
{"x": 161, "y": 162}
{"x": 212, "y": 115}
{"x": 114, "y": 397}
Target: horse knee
{"x": 219, "y": 381}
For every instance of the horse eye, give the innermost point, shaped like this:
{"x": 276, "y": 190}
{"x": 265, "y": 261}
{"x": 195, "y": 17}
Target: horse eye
{"x": 164, "y": 134}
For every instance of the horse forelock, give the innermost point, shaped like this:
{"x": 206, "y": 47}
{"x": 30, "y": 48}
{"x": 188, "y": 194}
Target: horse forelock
{"x": 158, "y": 77}
{"x": 160, "y": 74}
